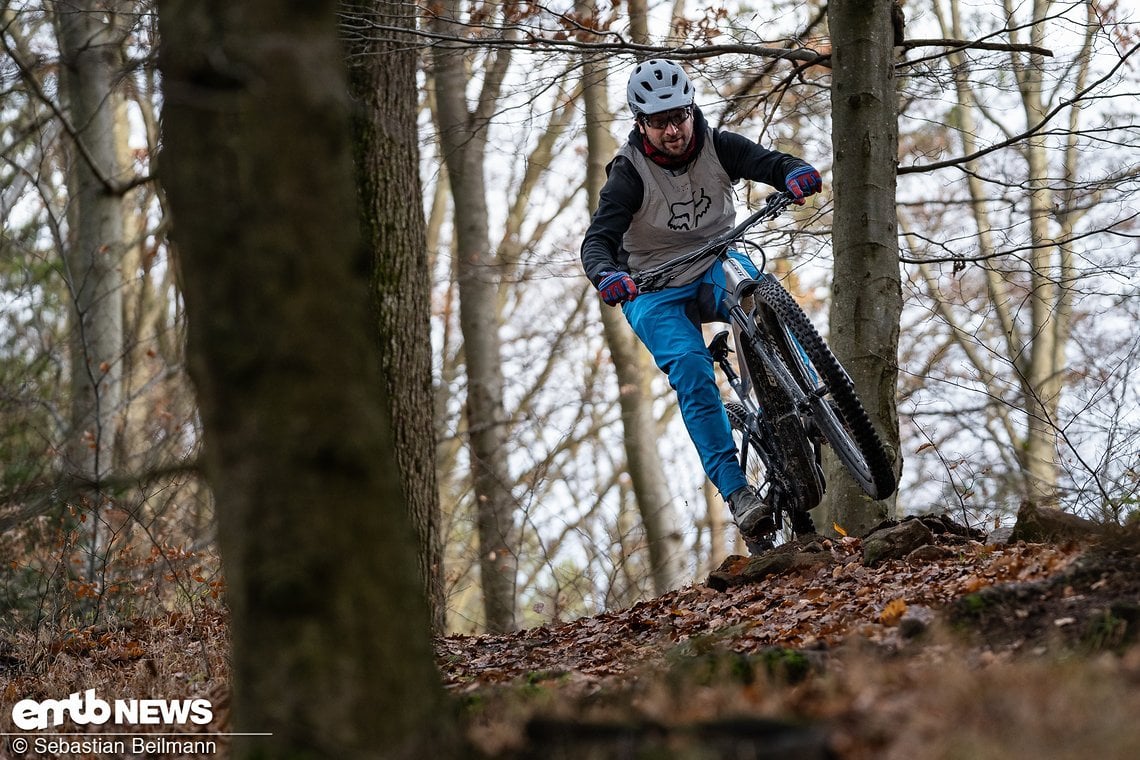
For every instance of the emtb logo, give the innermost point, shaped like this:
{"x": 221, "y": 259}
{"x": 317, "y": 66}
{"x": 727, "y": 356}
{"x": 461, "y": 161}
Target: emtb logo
{"x": 88, "y": 709}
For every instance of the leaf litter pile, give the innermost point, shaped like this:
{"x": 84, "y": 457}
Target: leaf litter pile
{"x": 959, "y": 649}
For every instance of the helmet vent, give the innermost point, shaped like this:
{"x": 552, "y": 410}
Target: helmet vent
{"x": 658, "y": 85}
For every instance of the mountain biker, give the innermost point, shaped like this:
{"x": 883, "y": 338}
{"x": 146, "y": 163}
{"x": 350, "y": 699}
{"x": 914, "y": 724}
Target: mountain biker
{"x": 669, "y": 189}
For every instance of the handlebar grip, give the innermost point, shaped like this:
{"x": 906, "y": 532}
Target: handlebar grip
{"x": 644, "y": 285}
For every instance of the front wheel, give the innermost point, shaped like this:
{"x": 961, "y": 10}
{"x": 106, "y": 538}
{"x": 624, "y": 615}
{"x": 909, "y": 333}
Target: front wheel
{"x": 835, "y": 409}
{"x": 781, "y": 457}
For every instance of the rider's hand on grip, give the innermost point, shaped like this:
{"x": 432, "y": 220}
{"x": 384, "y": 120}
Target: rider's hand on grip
{"x": 617, "y": 287}
{"x": 803, "y": 182}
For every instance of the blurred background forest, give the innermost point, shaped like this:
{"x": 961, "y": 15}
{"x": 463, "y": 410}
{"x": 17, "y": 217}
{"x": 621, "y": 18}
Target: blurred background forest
{"x": 1017, "y": 200}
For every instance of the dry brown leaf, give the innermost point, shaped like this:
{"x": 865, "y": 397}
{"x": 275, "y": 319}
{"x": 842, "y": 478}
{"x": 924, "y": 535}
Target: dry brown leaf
{"x": 893, "y": 612}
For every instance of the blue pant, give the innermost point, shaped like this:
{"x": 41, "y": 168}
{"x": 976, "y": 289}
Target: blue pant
{"x": 668, "y": 323}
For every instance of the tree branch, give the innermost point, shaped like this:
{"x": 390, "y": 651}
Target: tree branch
{"x": 1125, "y": 224}
{"x": 537, "y": 39}
{"x": 1038, "y": 127}
{"x": 111, "y": 186}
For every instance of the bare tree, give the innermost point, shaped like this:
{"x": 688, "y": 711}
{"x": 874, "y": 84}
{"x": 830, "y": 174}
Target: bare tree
{"x": 463, "y": 138}
{"x": 866, "y": 300}
{"x": 382, "y": 74}
{"x": 328, "y": 620}
{"x": 1044, "y": 207}
{"x": 70, "y": 99}
{"x": 663, "y": 531}
{"x": 91, "y": 39}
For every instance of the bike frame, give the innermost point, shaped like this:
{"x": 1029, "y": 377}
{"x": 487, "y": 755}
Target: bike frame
{"x": 740, "y": 284}
{"x": 793, "y": 394}
{"x": 741, "y": 310}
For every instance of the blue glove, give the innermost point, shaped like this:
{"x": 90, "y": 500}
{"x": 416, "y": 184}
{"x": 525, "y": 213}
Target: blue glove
{"x": 616, "y": 287}
{"x": 803, "y": 182}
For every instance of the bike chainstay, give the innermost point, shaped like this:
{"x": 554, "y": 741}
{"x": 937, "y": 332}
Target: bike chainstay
{"x": 766, "y": 442}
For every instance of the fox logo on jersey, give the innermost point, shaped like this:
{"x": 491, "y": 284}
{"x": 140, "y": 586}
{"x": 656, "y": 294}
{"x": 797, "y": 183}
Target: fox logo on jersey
{"x": 687, "y": 214}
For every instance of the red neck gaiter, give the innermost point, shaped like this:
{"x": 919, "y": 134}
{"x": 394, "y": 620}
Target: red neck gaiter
{"x": 666, "y": 161}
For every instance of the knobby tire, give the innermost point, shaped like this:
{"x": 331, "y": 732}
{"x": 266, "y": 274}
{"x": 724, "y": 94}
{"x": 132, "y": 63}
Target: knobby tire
{"x": 842, "y": 421}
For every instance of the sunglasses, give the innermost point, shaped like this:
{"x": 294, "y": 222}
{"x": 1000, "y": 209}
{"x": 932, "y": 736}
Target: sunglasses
{"x": 663, "y": 120}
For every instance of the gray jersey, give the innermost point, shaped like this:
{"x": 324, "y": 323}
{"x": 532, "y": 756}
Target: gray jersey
{"x": 680, "y": 212}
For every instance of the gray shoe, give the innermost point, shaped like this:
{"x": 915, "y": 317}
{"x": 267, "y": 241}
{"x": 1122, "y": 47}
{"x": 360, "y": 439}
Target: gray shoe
{"x": 752, "y": 515}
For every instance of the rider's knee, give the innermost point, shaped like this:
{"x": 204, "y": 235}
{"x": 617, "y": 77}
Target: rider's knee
{"x": 691, "y": 371}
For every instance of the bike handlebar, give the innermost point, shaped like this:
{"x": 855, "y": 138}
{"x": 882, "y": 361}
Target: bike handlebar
{"x": 656, "y": 278}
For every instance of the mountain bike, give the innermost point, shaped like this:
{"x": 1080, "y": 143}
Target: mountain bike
{"x": 790, "y": 393}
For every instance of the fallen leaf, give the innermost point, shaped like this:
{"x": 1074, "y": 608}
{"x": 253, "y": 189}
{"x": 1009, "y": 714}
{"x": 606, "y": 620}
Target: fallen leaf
{"x": 893, "y": 612}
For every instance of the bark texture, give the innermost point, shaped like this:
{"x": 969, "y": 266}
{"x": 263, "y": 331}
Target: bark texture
{"x": 382, "y": 84}
{"x": 866, "y": 294}
{"x": 328, "y": 622}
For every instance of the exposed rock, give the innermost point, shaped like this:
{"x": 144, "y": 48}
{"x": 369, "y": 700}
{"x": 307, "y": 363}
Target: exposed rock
{"x": 929, "y": 553}
{"x": 737, "y": 570}
{"x": 916, "y": 621}
{"x": 943, "y": 526}
{"x": 1037, "y": 525}
{"x": 895, "y": 542}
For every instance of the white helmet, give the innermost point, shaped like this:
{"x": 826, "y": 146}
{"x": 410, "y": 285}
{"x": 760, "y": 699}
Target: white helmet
{"x": 658, "y": 85}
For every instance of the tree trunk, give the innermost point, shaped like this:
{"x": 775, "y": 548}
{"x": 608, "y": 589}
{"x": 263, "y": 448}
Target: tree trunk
{"x": 1042, "y": 372}
{"x": 331, "y": 648}
{"x": 866, "y": 298}
{"x": 382, "y": 81}
{"x": 90, "y": 41}
{"x": 639, "y": 21}
{"x": 463, "y": 137}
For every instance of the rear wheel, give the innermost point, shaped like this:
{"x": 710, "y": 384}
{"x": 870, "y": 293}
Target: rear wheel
{"x": 794, "y": 521}
{"x": 836, "y": 411}
{"x": 780, "y": 459}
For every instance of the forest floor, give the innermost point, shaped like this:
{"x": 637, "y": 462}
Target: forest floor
{"x": 962, "y": 649}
